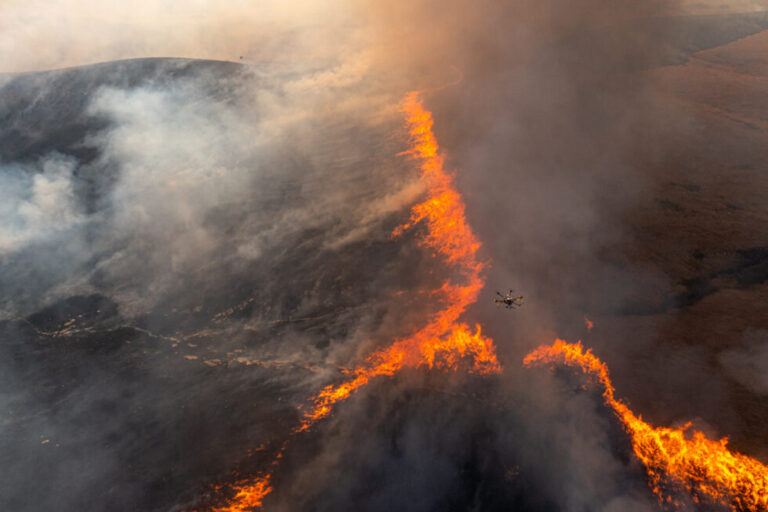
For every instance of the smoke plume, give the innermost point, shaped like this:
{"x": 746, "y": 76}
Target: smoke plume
{"x": 196, "y": 241}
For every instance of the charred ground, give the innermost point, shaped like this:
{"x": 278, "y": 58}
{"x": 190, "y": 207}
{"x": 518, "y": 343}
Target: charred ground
{"x": 117, "y": 407}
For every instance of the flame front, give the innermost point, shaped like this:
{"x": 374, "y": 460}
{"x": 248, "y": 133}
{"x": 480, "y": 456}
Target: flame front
{"x": 675, "y": 459}
{"x": 444, "y": 342}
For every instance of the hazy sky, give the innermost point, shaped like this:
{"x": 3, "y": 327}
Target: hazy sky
{"x": 45, "y": 34}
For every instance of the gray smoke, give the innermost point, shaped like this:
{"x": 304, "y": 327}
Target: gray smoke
{"x": 191, "y": 249}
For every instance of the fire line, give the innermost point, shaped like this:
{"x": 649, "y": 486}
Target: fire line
{"x": 678, "y": 459}
{"x": 444, "y": 343}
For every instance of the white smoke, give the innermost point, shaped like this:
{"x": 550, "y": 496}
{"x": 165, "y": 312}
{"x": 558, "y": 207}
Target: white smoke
{"x": 37, "y": 202}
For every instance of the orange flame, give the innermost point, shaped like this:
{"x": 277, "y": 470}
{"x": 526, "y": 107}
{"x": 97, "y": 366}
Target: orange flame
{"x": 589, "y": 323}
{"x": 674, "y": 459}
{"x": 444, "y": 342}
{"x": 249, "y": 495}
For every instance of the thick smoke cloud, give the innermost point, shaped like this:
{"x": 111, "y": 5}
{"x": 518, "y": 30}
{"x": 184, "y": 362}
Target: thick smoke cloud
{"x": 206, "y": 222}
{"x": 206, "y": 244}
{"x": 38, "y": 203}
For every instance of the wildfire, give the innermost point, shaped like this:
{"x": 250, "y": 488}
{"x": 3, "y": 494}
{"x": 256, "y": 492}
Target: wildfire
{"x": 249, "y": 495}
{"x": 674, "y": 459}
{"x": 444, "y": 342}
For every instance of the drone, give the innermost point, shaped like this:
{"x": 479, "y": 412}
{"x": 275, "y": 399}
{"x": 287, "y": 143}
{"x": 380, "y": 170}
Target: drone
{"x": 510, "y": 300}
